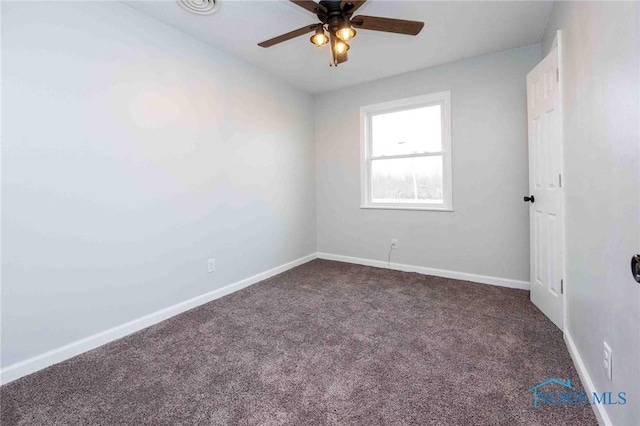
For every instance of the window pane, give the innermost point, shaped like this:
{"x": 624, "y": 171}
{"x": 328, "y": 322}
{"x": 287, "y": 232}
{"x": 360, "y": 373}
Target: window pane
{"x": 407, "y": 132}
{"x": 407, "y": 180}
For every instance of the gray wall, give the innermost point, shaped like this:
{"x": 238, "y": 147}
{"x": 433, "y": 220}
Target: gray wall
{"x": 131, "y": 154}
{"x": 602, "y": 189}
{"x": 488, "y": 233}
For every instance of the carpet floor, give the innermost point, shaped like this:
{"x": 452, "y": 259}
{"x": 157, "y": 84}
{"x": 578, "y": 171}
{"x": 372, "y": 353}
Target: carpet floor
{"x": 324, "y": 343}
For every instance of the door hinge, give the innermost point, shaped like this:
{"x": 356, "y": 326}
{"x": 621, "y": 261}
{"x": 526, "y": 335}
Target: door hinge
{"x": 558, "y": 75}
{"x": 561, "y": 286}
{"x": 560, "y": 180}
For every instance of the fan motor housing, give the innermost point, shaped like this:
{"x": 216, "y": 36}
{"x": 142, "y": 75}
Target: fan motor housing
{"x": 334, "y": 16}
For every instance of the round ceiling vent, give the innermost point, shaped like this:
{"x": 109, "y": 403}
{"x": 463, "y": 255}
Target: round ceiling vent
{"x": 200, "y": 7}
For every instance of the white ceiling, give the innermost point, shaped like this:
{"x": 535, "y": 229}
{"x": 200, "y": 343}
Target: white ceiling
{"x": 453, "y": 30}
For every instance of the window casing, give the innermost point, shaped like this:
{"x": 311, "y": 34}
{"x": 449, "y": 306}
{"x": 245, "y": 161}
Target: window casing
{"x": 406, "y": 154}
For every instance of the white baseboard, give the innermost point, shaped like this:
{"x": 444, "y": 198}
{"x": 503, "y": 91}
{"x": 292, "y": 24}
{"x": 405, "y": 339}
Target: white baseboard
{"x": 502, "y": 282}
{"x": 598, "y": 409}
{"x": 39, "y": 362}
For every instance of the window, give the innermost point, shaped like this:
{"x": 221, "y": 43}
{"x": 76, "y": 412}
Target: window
{"x": 406, "y": 154}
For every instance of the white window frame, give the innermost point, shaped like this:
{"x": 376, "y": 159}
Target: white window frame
{"x": 366, "y": 112}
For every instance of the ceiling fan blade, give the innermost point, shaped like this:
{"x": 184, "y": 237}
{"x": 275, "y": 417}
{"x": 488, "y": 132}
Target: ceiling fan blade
{"x": 289, "y": 35}
{"x": 342, "y": 57}
{"x": 355, "y": 3}
{"x": 310, "y": 5}
{"x": 389, "y": 25}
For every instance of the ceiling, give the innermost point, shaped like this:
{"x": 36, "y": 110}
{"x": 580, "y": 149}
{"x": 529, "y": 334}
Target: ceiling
{"x": 453, "y": 30}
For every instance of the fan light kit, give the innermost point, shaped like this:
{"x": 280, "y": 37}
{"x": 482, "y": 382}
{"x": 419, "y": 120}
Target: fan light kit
{"x": 319, "y": 38}
{"x": 346, "y": 33}
{"x": 336, "y": 19}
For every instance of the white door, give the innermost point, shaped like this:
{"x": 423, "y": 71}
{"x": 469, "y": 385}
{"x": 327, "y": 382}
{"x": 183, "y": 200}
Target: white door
{"x": 545, "y": 187}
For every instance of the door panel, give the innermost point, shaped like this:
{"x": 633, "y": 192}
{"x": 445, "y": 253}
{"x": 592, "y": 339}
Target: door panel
{"x": 545, "y": 169}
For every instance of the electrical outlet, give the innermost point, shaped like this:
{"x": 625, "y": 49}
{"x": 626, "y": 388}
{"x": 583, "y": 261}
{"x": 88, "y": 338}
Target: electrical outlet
{"x": 608, "y": 358}
{"x": 211, "y": 265}
{"x": 394, "y": 243}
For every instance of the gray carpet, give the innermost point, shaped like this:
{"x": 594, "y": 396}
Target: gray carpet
{"x": 324, "y": 343}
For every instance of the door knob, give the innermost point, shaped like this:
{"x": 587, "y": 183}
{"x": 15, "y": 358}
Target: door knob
{"x": 635, "y": 267}
{"x": 532, "y": 199}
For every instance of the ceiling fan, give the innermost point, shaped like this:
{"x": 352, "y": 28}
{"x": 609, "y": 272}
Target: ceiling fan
{"x": 336, "y": 18}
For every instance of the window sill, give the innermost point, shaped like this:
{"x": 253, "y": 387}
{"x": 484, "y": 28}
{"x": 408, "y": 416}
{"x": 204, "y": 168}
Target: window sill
{"x": 425, "y": 208}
